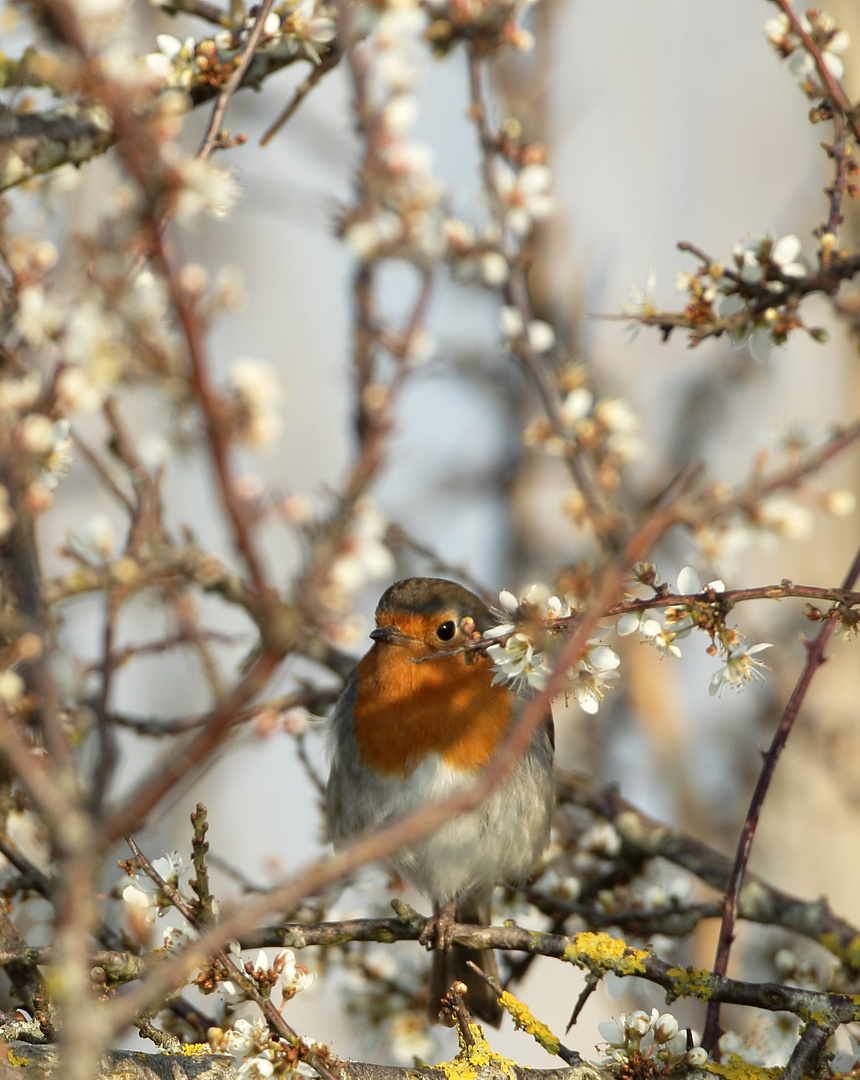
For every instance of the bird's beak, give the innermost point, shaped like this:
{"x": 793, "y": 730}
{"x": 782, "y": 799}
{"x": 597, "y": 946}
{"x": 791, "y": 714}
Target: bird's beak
{"x": 390, "y": 635}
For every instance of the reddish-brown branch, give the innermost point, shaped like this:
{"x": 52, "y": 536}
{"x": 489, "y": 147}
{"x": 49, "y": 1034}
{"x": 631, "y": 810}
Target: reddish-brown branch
{"x": 834, "y": 89}
{"x": 814, "y": 660}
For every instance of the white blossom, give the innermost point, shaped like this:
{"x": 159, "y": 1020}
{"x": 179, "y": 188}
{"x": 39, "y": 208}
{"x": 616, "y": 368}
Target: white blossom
{"x": 640, "y": 301}
{"x": 205, "y": 186}
{"x": 689, "y": 583}
{"x": 665, "y": 638}
{"x": 785, "y": 518}
{"x": 524, "y": 194}
{"x": 511, "y": 321}
{"x": 576, "y": 406}
{"x": 11, "y": 687}
{"x": 517, "y": 663}
{"x": 495, "y": 269}
{"x": 58, "y": 460}
{"x": 601, "y": 839}
{"x": 784, "y": 254}
{"x": 541, "y": 335}
{"x": 592, "y": 676}
{"x": 740, "y": 667}
{"x": 38, "y": 317}
{"x": 364, "y": 555}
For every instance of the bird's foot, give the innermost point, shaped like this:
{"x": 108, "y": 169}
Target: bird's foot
{"x": 438, "y": 932}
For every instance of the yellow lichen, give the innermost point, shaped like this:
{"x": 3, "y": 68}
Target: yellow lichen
{"x": 690, "y": 982}
{"x": 475, "y": 1055}
{"x": 849, "y": 954}
{"x": 602, "y": 952}
{"x": 525, "y": 1021}
{"x": 19, "y": 1061}
{"x": 738, "y": 1069}
{"x": 193, "y": 1049}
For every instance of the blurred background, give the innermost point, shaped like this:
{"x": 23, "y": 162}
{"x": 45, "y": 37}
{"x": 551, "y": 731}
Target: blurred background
{"x": 664, "y": 122}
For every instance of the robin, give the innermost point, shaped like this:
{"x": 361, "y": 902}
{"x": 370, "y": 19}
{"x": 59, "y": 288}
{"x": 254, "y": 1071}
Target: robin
{"x": 417, "y": 720}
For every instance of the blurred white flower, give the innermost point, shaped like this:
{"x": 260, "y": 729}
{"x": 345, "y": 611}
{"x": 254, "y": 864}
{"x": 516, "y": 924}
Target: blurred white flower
{"x": 11, "y": 687}
{"x": 511, "y": 322}
{"x": 839, "y": 502}
{"x": 541, "y": 335}
{"x": 784, "y": 254}
{"x": 495, "y": 269}
{"x": 258, "y": 387}
{"x": 785, "y": 517}
{"x": 576, "y": 406}
{"x": 364, "y": 555}
{"x": 38, "y": 317}
{"x": 58, "y": 460}
{"x": 205, "y": 186}
{"x": 524, "y": 194}
{"x": 640, "y": 301}
{"x": 600, "y": 839}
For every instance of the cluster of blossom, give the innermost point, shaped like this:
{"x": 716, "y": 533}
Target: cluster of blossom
{"x": 521, "y": 195}
{"x": 257, "y": 393}
{"x": 604, "y": 428}
{"x": 185, "y": 65}
{"x": 143, "y": 899}
{"x": 400, "y": 213}
{"x": 34, "y": 409}
{"x": 34, "y": 438}
{"x": 595, "y": 846}
{"x": 772, "y": 519}
{"x": 279, "y": 979}
{"x": 823, "y": 32}
{"x": 491, "y": 23}
{"x": 754, "y": 302}
{"x": 517, "y": 663}
{"x": 363, "y": 556}
{"x": 741, "y": 665}
{"x": 654, "y": 1037}
{"x": 257, "y": 1053}
{"x": 109, "y": 322}
{"x": 577, "y": 873}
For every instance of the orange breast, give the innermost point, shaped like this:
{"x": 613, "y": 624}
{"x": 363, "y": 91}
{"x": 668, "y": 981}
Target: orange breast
{"x": 445, "y": 706}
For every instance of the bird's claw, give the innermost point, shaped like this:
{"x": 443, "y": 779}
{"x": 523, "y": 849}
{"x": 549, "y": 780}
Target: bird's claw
{"x": 438, "y": 932}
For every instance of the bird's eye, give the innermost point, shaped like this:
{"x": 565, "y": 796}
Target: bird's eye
{"x": 447, "y": 630}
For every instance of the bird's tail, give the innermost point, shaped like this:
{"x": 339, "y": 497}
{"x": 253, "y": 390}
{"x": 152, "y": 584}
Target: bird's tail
{"x": 450, "y": 966}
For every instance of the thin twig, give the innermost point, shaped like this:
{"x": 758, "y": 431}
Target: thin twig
{"x": 243, "y": 62}
{"x": 834, "y": 89}
{"x": 815, "y": 658}
{"x": 304, "y": 88}
{"x": 232, "y": 965}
